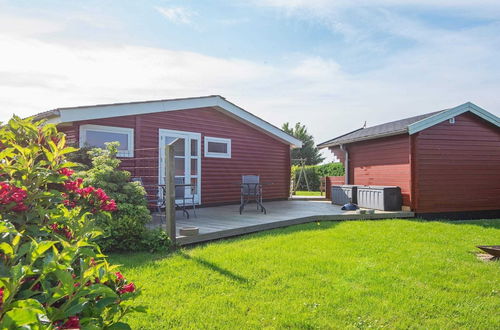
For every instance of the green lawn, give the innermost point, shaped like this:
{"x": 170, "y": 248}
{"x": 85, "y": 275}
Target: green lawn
{"x": 307, "y": 193}
{"x": 356, "y": 274}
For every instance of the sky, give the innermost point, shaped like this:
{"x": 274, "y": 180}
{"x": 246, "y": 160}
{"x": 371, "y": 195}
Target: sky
{"x": 331, "y": 65}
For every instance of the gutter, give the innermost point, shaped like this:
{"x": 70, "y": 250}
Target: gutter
{"x": 346, "y": 163}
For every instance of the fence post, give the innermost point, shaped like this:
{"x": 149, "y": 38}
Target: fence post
{"x": 170, "y": 193}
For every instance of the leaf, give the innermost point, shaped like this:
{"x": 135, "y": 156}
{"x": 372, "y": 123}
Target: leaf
{"x": 24, "y": 312}
{"x": 41, "y": 249}
{"x": 6, "y": 248}
{"x": 65, "y": 278}
{"x": 16, "y": 240}
{"x": 75, "y": 308}
{"x": 23, "y": 250}
{"x": 119, "y": 326}
{"x": 67, "y": 150}
{"x": 140, "y": 309}
{"x": 105, "y": 302}
{"x": 17, "y": 272}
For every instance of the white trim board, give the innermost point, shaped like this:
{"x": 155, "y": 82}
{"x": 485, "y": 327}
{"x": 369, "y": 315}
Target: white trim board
{"x": 109, "y": 129}
{"x": 208, "y": 154}
{"x": 450, "y": 113}
{"x": 64, "y": 115}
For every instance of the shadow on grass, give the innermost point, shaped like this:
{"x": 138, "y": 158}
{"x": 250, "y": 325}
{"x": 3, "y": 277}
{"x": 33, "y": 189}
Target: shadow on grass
{"x": 139, "y": 259}
{"x": 282, "y": 231}
{"x": 214, "y": 267}
{"x": 133, "y": 260}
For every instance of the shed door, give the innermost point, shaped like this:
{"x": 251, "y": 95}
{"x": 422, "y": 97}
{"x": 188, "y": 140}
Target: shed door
{"x": 187, "y": 160}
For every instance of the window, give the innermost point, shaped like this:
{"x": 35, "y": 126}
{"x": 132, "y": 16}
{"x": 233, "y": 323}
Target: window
{"x": 217, "y": 147}
{"x": 97, "y": 135}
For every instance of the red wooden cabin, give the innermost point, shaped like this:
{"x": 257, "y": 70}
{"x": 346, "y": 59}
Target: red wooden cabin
{"x": 444, "y": 162}
{"x": 218, "y": 142}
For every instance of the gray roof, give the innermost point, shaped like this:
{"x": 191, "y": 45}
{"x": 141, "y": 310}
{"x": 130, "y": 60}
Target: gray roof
{"x": 387, "y": 129}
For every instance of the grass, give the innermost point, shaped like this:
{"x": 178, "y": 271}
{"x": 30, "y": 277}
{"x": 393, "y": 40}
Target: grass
{"x": 307, "y": 193}
{"x": 355, "y": 274}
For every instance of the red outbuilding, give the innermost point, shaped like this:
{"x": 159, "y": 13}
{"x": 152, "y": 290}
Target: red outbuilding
{"x": 218, "y": 142}
{"x": 447, "y": 163}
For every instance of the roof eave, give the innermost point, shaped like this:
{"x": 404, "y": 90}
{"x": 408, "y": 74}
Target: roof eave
{"x": 365, "y": 138}
{"x": 63, "y": 115}
{"x": 450, "y": 113}
{"x": 52, "y": 116}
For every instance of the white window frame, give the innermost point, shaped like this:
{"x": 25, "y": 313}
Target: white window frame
{"x": 187, "y": 136}
{"x": 217, "y": 154}
{"x": 129, "y": 153}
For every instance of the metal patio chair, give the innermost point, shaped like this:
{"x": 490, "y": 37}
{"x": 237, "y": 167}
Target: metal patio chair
{"x": 251, "y": 189}
{"x": 180, "y": 194}
{"x": 158, "y": 201}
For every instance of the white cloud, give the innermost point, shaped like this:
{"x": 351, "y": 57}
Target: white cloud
{"x": 446, "y": 69}
{"x": 177, "y": 14}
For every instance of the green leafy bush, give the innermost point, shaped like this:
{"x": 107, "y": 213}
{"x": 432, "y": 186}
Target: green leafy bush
{"x": 126, "y": 229}
{"x": 81, "y": 157}
{"x": 314, "y": 173}
{"x": 52, "y": 274}
{"x": 155, "y": 240}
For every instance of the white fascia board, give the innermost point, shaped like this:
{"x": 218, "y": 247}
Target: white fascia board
{"x": 256, "y": 121}
{"x": 137, "y": 108}
{"x": 450, "y": 113}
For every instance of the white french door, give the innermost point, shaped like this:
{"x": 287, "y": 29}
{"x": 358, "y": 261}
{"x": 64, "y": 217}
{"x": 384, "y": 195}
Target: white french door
{"x": 187, "y": 160}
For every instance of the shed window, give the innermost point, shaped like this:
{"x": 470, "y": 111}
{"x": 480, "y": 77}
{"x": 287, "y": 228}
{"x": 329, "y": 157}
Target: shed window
{"x": 217, "y": 147}
{"x": 97, "y": 136}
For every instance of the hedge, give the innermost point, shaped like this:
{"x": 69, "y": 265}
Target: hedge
{"x": 314, "y": 173}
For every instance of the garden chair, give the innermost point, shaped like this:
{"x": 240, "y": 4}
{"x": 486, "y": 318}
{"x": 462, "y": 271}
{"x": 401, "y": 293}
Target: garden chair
{"x": 180, "y": 194}
{"x": 251, "y": 189}
{"x": 157, "y": 201}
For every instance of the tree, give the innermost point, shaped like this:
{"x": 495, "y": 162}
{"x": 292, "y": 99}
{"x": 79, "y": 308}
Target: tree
{"x": 309, "y": 152}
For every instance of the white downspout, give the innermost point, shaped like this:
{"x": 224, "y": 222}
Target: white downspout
{"x": 346, "y": 163}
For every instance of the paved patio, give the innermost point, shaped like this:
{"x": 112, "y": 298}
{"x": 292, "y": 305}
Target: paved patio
{"x": 225, "y": 221}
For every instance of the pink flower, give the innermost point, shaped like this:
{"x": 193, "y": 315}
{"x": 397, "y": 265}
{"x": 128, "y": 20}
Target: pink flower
{"x": 86, "y": 191}
{"x": 10, "y": 194}
{"x": 127, "y": 288}
{"x": 109, "y": 206}
{"x": 101, "y": 195}
{"x": 119, "y": 276}
{"x": 66, "y": 172}
{"x": 61, "y": 230}
{"x": 20, "y": 207}
{"x": 1, "y": 297}
{"x": 73, "y": 322}
{"x": 73, "y": 185}
{"x": 69, "y": 203}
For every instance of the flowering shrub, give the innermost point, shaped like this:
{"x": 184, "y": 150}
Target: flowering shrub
{"x": 12, "y": 196}
{"x": 126, "y": 229}
{"x": 76, "y": 195}
{"x": 52, "y": 274}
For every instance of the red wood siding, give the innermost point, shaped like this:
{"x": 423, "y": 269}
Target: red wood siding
{"x": 71, "y": 134}
{"x": 382, "y": 162}
{"x": 457, "y": 166}
{"x": 253, "y": 152}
